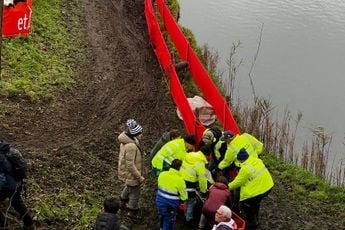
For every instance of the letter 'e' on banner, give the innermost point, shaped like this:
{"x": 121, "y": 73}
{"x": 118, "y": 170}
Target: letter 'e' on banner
{"x": 16, "y": 19}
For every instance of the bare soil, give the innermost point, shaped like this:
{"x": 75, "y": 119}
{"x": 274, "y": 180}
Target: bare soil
{"x": 71, "y": 141}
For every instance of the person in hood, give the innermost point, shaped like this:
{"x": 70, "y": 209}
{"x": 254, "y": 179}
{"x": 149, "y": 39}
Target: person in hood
{"x": 193, "y": 171}
{"x": 11, "y": 187}
{"x": 217, "y": 195}
{"x": 165, "y": 138}
{"x": 131, "y": 167}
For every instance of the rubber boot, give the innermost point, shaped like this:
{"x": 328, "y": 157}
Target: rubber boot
{"x": 123, "y": 204}
{"x": 133, "y": 213}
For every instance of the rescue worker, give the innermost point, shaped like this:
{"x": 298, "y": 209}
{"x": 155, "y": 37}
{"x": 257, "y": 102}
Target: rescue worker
{"x": 165, "y": 138}
{"x": 252, "y": 145}
{"x": 219, "y": 153}
{"x": 175, "y": 149}
{"x": 255, "y": 182}
{"x": 210, "y": 137}
{"x": 171, "y": 192}
{"x": 131, "y": 167}
{"x": 193, "y": 171}
{"x": 230, "y": 163}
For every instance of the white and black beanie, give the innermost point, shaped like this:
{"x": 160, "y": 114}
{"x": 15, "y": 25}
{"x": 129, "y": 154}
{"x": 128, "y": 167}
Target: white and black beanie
{"x": 133, "y": 127}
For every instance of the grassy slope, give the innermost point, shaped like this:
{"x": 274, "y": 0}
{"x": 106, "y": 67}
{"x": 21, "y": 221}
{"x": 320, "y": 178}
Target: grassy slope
{"x": 37, "y": 65}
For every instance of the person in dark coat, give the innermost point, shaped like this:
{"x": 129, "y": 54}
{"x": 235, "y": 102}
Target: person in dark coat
{"x": 11, "y": 188}
{"x": 107, "y": 219}
{"x": 218, "y": 194}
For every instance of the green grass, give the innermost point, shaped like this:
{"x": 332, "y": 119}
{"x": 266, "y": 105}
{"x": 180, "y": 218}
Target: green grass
{"x": 37, "y": 65}
{"x": 303, "y": 183}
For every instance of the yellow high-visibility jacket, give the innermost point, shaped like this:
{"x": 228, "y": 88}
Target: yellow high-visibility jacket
{"x": 217, "y": 148}
{"x": 171, "y": 185}
{"x": 174, "y": 149}
{"x": 253, "y": 178}
{"x": 194, "y": 170}
{"x": 252, "y": 145}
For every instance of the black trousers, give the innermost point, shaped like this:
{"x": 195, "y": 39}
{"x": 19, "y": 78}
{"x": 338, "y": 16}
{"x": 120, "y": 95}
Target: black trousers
{"x": 17, "y": 203}
{"x": 251, "y": 208}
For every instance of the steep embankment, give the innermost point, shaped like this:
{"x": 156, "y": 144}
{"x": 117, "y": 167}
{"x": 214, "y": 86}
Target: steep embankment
{"x": 71, "y": 141}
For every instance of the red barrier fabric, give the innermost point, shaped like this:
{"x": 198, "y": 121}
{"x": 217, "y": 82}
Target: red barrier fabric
{"x": 200, "y": 75}
{"x": 17, "y": 19}
{"x": 164, "y": 58}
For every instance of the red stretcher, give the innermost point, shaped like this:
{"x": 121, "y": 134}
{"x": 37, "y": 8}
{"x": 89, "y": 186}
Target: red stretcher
{"x": 241, "y": 224}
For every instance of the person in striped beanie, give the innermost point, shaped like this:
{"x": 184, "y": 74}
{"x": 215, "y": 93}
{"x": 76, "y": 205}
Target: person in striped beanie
{"x": 131, "y": 167}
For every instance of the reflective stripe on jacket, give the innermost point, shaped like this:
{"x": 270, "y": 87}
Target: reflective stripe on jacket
{"x": 193, "y": 169}
{"x": 171, "y": 187}
{"x": 253, "y": 178}
{"x": 174, "y": 149}
{"x": 252, "y": 145}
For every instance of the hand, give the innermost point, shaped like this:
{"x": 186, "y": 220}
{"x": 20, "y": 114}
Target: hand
{"x": 142, "y": 179}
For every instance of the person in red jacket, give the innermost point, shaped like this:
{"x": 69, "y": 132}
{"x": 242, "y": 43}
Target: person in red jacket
{"x": 218, "y": 194}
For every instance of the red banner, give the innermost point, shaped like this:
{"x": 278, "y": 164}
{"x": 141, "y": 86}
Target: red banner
{"x": 162, "y": 52}
{"x": 199, "y": 74}
{"x": 16, "y": 19}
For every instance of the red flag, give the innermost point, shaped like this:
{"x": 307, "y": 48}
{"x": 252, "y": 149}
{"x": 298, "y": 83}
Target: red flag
{"x": 16, "y": 19}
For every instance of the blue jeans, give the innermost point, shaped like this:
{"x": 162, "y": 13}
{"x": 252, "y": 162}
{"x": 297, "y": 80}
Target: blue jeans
{"x": 190, "y": 204}
{"x": 167, "y": 217}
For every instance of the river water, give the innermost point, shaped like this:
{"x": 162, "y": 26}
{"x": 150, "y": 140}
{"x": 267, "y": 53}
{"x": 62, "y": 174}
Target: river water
{"x": 301, "y": 61}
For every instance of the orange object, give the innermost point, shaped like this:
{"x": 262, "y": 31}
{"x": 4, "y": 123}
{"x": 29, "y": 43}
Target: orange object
{"x": 182, "y": 207}
{"x": 241, "y": 224}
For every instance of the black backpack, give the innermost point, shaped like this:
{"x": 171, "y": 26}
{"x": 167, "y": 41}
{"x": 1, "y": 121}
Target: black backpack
{"x": 19, "y": 165}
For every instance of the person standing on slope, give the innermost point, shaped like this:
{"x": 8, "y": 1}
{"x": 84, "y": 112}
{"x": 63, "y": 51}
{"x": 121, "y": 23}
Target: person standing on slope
{"x": 171, "y": 192}
{"x": 255, "y": 182}
{"x": 131, "y": 167}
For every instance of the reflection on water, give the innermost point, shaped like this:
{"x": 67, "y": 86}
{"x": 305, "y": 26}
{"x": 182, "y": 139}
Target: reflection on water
{"x": 302, "y": 54}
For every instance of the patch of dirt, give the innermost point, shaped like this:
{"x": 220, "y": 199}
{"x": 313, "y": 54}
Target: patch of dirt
{"x": 71, "y": 142}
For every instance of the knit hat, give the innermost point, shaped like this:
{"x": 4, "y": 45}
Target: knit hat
{"x": 133, "y": 127}
{"x": 227, "y": 135}
{"x": 208, "y": 137}
{"x": 242, "y": 154}
{"x": 190, "y": 139}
